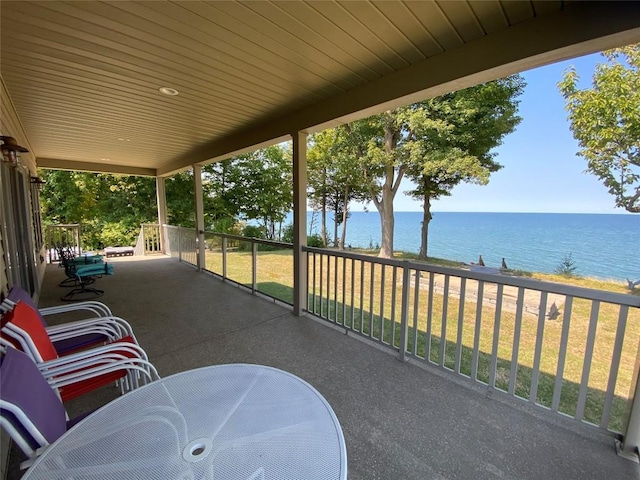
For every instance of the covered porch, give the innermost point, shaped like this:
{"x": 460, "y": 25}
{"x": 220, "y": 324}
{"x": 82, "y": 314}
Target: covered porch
{"x": 400, "y": 420}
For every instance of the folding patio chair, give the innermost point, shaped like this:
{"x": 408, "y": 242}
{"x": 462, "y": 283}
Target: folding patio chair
{"x": 23, "y": 329}
{"x": 30, "y": 410}
{"x": 74, "y": 336}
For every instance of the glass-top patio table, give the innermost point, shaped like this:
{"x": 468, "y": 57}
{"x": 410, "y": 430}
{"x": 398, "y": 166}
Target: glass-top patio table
{"x": 229, "y": 422}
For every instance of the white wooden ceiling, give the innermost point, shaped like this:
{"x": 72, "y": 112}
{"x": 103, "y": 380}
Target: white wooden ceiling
{"x": 84, "y": 76}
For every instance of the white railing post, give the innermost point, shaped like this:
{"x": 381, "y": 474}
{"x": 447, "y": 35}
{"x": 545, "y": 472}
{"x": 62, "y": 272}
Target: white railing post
{"x": 631, "y": 440}
{"x": 404, "y": 315}
{"x": 254, "y": 266}
{"x": 224, "y": 258}
{"x": 179, "y": 244}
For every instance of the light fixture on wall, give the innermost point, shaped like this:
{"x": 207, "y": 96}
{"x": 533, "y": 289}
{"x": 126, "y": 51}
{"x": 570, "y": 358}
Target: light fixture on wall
{"x": 10, "y": 150}
{"x": 37, "y": 182}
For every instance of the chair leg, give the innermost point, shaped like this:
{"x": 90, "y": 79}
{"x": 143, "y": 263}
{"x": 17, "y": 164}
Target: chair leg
{"x": 83, "y": 293}
{"x": 73, "y": 282}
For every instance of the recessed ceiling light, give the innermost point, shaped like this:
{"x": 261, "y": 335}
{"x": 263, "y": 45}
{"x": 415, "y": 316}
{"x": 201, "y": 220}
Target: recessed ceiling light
{"x": 168, "y": 91}
{"x": 124, "y": 140}
{"x": 105, "y": 159}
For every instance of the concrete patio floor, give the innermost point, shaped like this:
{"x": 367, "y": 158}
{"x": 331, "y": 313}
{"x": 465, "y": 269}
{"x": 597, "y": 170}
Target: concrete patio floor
{"x": 400, "y": 420}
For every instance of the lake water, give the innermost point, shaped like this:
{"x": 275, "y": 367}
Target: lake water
{"x": 603, "y": 246}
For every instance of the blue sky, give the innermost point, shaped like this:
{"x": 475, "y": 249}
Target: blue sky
{"x": 541, "y": 171}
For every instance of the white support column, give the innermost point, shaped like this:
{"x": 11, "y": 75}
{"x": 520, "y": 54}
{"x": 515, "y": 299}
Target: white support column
{"x": 197, "y": 180}
{"x": 161, "y": 198}
{"x": 299, "y": 222}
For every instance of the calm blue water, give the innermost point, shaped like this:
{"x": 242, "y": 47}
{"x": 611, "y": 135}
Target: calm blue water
{"x": 603, "y": 246}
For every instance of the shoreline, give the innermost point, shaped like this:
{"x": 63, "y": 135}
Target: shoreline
{"x": 609, "y": 284}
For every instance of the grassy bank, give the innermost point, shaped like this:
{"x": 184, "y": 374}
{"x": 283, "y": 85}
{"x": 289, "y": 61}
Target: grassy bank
{"x": 438, "y": 321}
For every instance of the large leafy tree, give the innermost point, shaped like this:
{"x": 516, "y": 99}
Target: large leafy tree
{"x": 181, "y": 204}
{"x": 454, "y": 136}
{"x": 260, "y": 186}
{"x": 605, "y": 120}
{"x": 439, "y": 143}
{"x": 221, "y": 208}
{"x": 110, "y": 208}
{"x": 334, "y": 180}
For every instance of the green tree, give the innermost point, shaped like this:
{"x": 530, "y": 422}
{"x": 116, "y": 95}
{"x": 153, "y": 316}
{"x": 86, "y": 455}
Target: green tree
{"x": 260, "y": 186}
{"x": 439, "y": 143}
{"x": 181, "y": 207}
{"x": 221, "y": 209}
{"x": 453, "y": 140}
{"x": 334, "y": 180}
{"x": 605, "y": 120}
{"x": 110, "y": 208}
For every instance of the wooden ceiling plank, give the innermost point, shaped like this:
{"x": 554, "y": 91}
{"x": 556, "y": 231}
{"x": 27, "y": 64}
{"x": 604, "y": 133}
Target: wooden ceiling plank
{"x": 291, "y": 36}
{"x": 372, "y": 47}
{"x": 330, "y": 37}
{"x": 517, "y": 12}
{"x": 171, "y": 25}
{"x": 436, "y": 23}
{"x": 97, "y": 91}
{"x": 153, "y": 59}
{"x": 463, "y": 20}
{"x": 490, "y": 15}
{"x": 287, "y": 59}
{"x": 45, "y": 115}
{"x": 389, "y": 41}
{"x": 407, "y": 25}
{"x": 33, "y": 53}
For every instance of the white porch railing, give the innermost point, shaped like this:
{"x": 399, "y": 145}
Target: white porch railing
{"x": 149, "y": 239}
{"x": 568, "y": 350}
{"x": 67, "y": 235}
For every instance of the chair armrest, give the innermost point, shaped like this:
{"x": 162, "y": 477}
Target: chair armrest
{"x": 98, "y": 308}
{"x": 141, "y": 367}
{"x": 85, "y": 357}
{"x": 116, "y": 322}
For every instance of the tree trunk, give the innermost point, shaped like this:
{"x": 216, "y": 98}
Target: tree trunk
{"x": 323, "y": 230}
{"x": 386, "y": 225}
{"x": 426, "y": 218}
{"x": 344, "y": 218}
{"x": 335, "y": 225}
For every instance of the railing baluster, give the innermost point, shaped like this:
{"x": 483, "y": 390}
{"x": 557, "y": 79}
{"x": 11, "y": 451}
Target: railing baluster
{"x": 361, "y": 296}
{"x": 406, "y": 272}
{"x": 588, "y": 356}
{"x": 382, "y": 270}
{"x": 533, "y": 393}
{"x": 615, "y": 364}
{"x": 393, "y": 305}
{"x": 313, "y": 294}
{"x": 371, "y": 293}
{"x": 427, "y": 349}
{"x": 353, "y": 288}
{"x": 443, "y": 329}
{"x": 224, "y": 258}
{"x": 496, "y": 337}
{"x": 476, "y": 333}
{"x": 463, "y": 286}
{"x": 513, "y": 373}
{"x": 335, "y": 289}
{"x": 320, "y": 297}
{"x": 329, "y": 287}
{"x": 254, "y": 267}
{"x": 416, "y": 309}
{"x": 562, "y": 354}
{"x": 344, "y": 291}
